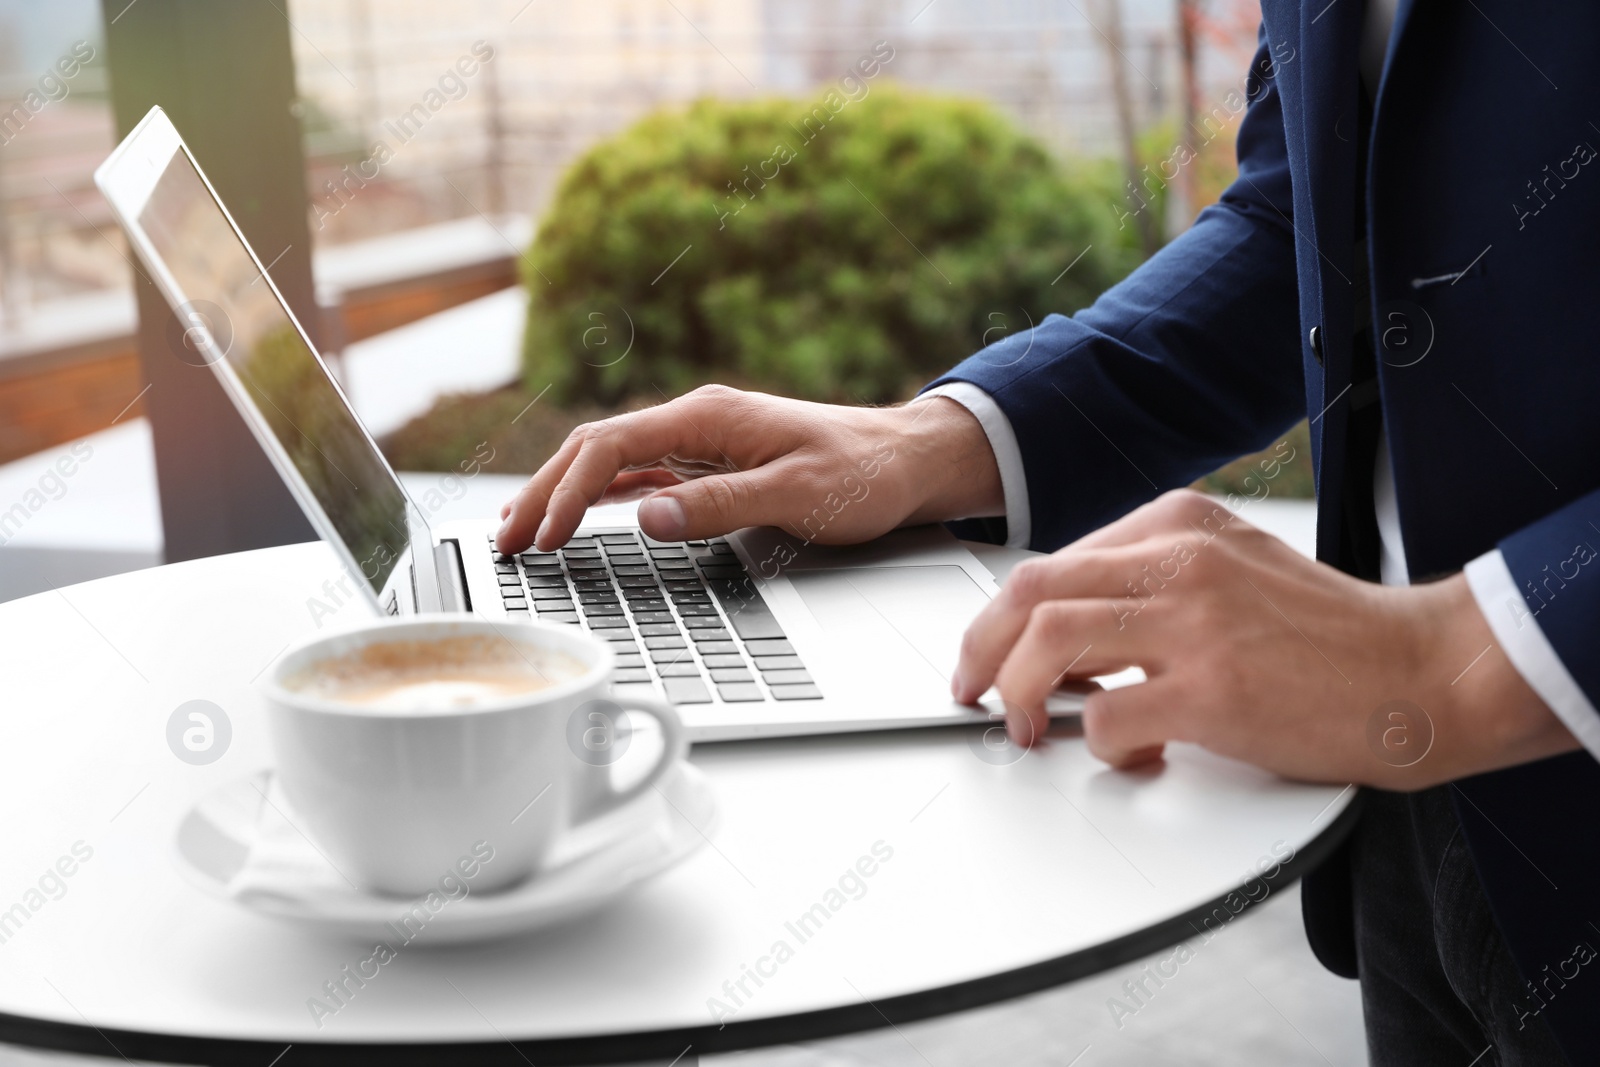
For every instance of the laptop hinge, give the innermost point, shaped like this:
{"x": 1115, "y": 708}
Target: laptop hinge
{"x": 452, "y": 578}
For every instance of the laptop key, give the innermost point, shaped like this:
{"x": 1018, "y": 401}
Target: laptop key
{"x": 556, "y": 593}
{"x": 748, "y": 614}
{"x": 544, "y": 572}
{"x": 631, "y": 570}
{"x": 716, "y": 648}
{"x": 541, "y": 581}
{"x": 722, "y": 548}
{"x": 630, "y": 660}
{"x": 510, "y": 579}
{"x": 722, "y": 571}
{"x": 777, "y": 663}
{"x": 515, "y": 603}
{"x": 638, "y": 581}
{"x": 631, "y": 674}
{"x": 601, "y": 609}
{"x": 794, "y": 677}
{"x": 724, "y": 661}
{"x": 697, "y": 609}
{"x": 664, "y": 642}
{"x": 659, "y": 629}
{"x": 610, "y": 622}
{"x": 621, "y": 643}
{"x": 686, "y": 691}
{"x": 517, "y": 613}
{"x": 677, "y": 670}
{"x": 570, "y": 617}
{"x": 505, "y": 568}
{"x": 643, "y": 617}
{"x": 740, "y": 693}
{"x": 710, "y": 634}
{"x": 796, "y": 692}
{"x": 617, "y": 539}
{"x": 590, "y": 585}
{"x": 647, "y": 606}
{"x": 598, "y": 596}
{"x": 642, "y": 690}
{"x": 731, "y": 674}
{"x": 704, "y": 622}
{"x": 770, "y": 648}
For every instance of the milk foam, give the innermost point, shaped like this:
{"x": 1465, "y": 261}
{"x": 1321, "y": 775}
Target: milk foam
{"x": 444, "y": 674}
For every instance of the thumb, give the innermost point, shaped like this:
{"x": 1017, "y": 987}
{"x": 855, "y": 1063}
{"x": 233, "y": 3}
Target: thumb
{"x": 710, "y": 506}
{"x": 1130, "y": 725}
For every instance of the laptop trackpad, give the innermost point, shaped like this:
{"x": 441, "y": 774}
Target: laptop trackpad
{"x": 893, "y": 624}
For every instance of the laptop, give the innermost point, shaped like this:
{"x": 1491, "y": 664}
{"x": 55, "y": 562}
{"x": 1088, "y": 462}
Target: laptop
{"x": 761, "y": 633}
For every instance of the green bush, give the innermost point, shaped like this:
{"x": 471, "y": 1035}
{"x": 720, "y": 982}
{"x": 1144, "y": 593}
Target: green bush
{"x": 843, "y": 260}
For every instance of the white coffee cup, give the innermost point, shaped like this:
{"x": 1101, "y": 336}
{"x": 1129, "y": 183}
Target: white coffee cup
{"x": 393, "y": 798}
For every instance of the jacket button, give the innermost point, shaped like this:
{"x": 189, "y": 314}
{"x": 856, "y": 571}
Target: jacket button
{"x": 1316, "y": 344}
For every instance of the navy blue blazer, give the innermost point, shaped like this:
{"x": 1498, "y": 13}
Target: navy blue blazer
{"x": 1481, "y": 202}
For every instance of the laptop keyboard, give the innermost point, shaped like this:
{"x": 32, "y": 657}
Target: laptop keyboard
{"x": 683, "y": 617}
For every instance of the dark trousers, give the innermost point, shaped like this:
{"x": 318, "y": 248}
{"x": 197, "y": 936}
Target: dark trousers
{"x": 1438, "y": 985}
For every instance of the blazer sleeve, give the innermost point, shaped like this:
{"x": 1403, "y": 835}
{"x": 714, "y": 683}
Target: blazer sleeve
{"x": 1540, "y": 592}
{"x": 1189, "y": 362}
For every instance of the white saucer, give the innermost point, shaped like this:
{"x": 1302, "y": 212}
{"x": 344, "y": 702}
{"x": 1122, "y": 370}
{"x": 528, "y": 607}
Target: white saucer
{"x": 239, "y": 844}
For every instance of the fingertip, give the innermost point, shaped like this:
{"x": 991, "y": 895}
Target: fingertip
{"x": 1138, "y": 757}
{"x": 662, "y": 517}
{"x": 969, "y": 681}
{"x": 1022, "y": 727}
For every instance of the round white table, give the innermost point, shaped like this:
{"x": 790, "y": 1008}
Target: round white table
{"x": 1004, "y": 875}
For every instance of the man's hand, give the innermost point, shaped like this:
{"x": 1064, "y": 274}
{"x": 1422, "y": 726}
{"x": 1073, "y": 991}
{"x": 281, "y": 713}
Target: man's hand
{"x": 1257, "y": 653}
{"x": 719, "y": 459}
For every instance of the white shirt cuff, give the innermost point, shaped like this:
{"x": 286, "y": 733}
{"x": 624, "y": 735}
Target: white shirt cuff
{"x": 1530, "y": 652}
{"x": 1003, "y": 442}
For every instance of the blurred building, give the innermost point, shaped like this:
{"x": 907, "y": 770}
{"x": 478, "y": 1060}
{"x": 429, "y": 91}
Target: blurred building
{"x": 562, "y": 76}
{"x": 567, "y": 75}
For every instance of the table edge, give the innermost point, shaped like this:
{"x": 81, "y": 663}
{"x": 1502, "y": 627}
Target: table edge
{"x": 644, "y": 1045}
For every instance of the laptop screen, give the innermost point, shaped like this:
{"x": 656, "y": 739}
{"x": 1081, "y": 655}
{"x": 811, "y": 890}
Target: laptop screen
{"x": 233, "y": 314}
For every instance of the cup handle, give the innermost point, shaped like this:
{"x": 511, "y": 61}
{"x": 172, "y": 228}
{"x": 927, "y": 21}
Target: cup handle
{"x": 673, "y": 747}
